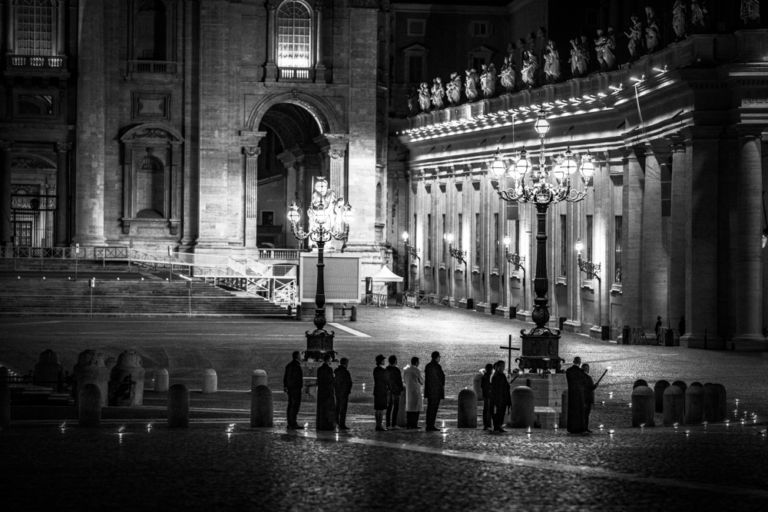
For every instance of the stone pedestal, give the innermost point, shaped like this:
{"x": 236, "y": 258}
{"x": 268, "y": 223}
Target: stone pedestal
{"x": 126, "y": 384}
{"x": 91, "y": 369}
{"x": 48, "y": 371}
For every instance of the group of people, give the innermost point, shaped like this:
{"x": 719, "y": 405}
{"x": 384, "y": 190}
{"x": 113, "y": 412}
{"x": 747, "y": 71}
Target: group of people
{"x": 389, "y": 385}
{"x": 581, "y": 397}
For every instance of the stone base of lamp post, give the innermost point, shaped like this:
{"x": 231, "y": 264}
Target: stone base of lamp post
{"x": 540, "y": 349}
{"x": 319, "y": 342}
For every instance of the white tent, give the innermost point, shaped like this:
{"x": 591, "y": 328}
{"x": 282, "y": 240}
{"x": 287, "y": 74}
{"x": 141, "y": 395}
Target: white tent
{"x": 384, "y": 275}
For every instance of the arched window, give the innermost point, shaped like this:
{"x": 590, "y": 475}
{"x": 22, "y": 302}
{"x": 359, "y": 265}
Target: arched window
{"x": 34, "y": 27}
{"x": 294, "y": 35}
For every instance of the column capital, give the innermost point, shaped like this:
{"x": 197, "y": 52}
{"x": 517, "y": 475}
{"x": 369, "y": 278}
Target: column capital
{"x": 335, "y": 144}
{"x": 251, "y": 151}
{"x": 250, "y": 138}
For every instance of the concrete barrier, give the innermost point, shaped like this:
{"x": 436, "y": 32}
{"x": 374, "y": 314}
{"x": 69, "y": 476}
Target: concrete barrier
{"x": 674, "y": 406}
{"x": 639, "y": 382}
{"x": 210, "y": 381}
{"x": 658, "y": 391}
{"x": 522, "y": 414}
{"x": 467, "y": 409}
{"x": 89, "y": 406}
{"x": 681, "y": 385}
{"x": 721, "y": 407}
{"x": 162, "y": 380}
{"x": 643, "y": 406}
{"x": 91, "y": 368}
{"x": 258, "y": 378}
{"x": 694, "y": 404}
{"x": 178, "y": 406}
{"x": 262, "y": 411}
{"x": 5, "y": 399}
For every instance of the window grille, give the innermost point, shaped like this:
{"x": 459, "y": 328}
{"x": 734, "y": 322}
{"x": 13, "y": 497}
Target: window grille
{"x": 294, "y": 35}
{"x": 34, "y": 27}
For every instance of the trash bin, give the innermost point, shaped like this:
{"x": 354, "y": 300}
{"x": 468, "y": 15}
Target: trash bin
{"x": 470, "y": 303}
{"x": 494, "y": 305}
{"x": 513, "y": 312}
{"x": 625, "y": 335}
{"x": 605, "y": 332}
{"x": 561, "y": 322}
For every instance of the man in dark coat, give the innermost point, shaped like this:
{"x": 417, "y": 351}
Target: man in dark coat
{"x": 325, "y": 418}
{"x": 293, "y": 382}
{"x": 343, "y": 385}
{"x": 577, "y": 388}
{"x": 395, "y": 379}
{"x": 434, "y": 389}
{"x": 589, "y": 395}
{"x": 500, "y": 396}
{"x": 485, "y": 387}
{"x": 380, "y": 389}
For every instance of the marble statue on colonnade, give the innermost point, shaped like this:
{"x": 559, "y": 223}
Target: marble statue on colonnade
{"x": 528, "y": 73}
{"x": 634, "y": 37}
{"x": 453, "y": 89}
{"x": 698, "y": 13}
{"x": 508, "y": 74}
{"x": 604, "y": 48}
{"x": 470, "y": 86}
{"x": 679, "y": 19}
{"x": 652, "y": 32}
{"x": 551, "y": 63}
{"x": 578, "y": 58}
{"x": 488, "y": 80}
{"x": 750, "y": 12}
{"x": 424, "y": 97}
{"x": 438, "y": 93}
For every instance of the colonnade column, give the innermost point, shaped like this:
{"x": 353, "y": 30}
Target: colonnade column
{"x": 654, "y": 275}
{"x": 334, "y": 145}
{"x": 5, "y": 193}
{"x": 61, "y": 228}
{"x": 746, "y": 280}
{"x": 91, "y": 133}
{"x": 251, "y": 154}
{"x": 680, "y": 208}
{"x": 319, "y": 66}
{"x": 632, "y": 220}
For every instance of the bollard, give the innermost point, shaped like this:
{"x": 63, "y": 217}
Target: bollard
{"x": 5, "y": 399}
{"x": 522, "y": 407}
{"x": 91, "y": 369}
{"x": 680, "y": 384}
{"x": 643, "y": 406}
{"x": 178, "y": 406}
{"x": 658, "y": 391}
{"x": 674, "y": 406}
{"x": 638, "y": 383}
{"x": 563, "y": 420}
{"x": 467, "y": 409}
{"x": 721, "y": 409}
{"x": 261, "y": 406}
{"x": 694, "y": 404}
{"x": 48, "y": 371}
{"x": 353, "y": 315}
{"x": 258, "y": 378}
{"x": 209, "y": 380}
{"x": 477, "y": 385}
{"x": 161, "y": 381}
{"x": 126, "y": 381}
{"x": 89, "y": 405}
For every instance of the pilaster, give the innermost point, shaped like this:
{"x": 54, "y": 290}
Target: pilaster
{"x": 632, "y": 220}
{"x": 654, "y": 273}
{"x": 680, "y": 207}
{"x": 5, "y": 193}
{"x": 61, "y": 227}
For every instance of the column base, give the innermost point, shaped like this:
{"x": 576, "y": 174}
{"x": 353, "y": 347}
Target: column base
{"x": 699, "y": 340}
{"x": 572, "y": 326}
{"x": 89, "y": 241}
{"x": 749, "y": 343}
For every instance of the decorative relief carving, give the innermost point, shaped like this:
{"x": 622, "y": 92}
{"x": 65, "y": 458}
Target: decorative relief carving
{"x": 151, "y": 105}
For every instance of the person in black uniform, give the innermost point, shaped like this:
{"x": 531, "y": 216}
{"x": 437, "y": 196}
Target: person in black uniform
{"x": 293, "y": 382}
{"x": 501, "y": 397}
{"x": 485, "y": 386}
{"x": 343, "y": 385}
{"x": 380, "y": 389}
{"x": 395, "y": 390}
{"x": 576, "y": 397}
{"x": 434, "y": 389}
{"x": 325, "y": 417}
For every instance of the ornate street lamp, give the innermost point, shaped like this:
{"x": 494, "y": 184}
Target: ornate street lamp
{"x": 328, "y": 219}
{"x": 461, "y": 257}
{"x": 518, "y": 262}
{"x": 593, "y": 272}
{"x": 410, "y": 251}
{"x": 541, "y": 184}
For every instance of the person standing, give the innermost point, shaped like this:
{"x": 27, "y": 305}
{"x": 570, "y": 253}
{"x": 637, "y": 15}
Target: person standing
{"x": 325, "y": 417}
{"x": 413, "y": 381}
{"x": 501, "y": 397}
{"x": 434, "y": 389}
{"x": 380, "y": 389}
{"x": 395, "y": 380}
{"x": 589, "y": 395}
{"x": 657, "y": 330}
{"x": 485, "y": 386}
{"x": 293, "y": 382}
{"x": 576, "y": 397}
{"x": 343, "y": 385}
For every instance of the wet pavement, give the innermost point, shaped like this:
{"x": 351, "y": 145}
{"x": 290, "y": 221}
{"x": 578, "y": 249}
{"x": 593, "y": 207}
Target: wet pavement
{"x": 220, "y": 463}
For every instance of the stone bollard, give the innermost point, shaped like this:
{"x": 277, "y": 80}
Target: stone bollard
{"x": 563, "y": 420}
{"x": 48, "y": 371}
{"x": 89, "y": 405}
{"x": 126, "y": 381}
{"x": 261, "y": 406}
{"x": 477, "y": 385}
{"x": 674, "y": 406}
{"x": 161, "y": 380}
{"x": 467, "y": 409}
{"x": 639, "y": 382}
{"x": 721, "y": 410}
{"x": 5, "y": 399}
{"x": 694, "y": 404}
{"x": 258, "y": 378}
{"x": 91, "y": 369}
{"x": 402, "y": 417}
{"x": 522, "y": 408}
{"x": 681, "y": 385}
{"x": 210, "y": 380}
{"x": 658, "y": 391}
{"x": 643, "y": 406}
{"x": 178, "y": 406}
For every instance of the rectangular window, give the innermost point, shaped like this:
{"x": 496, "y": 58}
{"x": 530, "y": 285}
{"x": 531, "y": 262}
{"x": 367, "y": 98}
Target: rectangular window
{"x": 415, "y": 68}
{"x": 429, "y": 237}
{"x": 416, "y": 28}
{"x": 617, "y": 249}
{"x": 267, "y": 218}
{"x": 34, "y": 27}
{"x": 563, "y": 245}
{"x": 666, "y": 191}
{"x": 588, "y": 241}
{"x": 478, "y": 240}
{"x": 479, "y": 29}
{"x": 496, "y": 247}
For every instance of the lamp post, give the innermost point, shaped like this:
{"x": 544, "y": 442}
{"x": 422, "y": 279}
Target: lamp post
{"x": 541, "y": 185}
{"x": 328, "y": 219}
{"x": 518, "y": 262}
{"x": 410, "y": 252}
{"x": 461, "y": 257}
{"x": 77, "y": 256}
{"x": 593, "y": 272}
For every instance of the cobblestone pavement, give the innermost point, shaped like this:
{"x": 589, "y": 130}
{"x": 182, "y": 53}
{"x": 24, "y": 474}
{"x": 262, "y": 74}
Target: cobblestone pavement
{"x": 691, "y": 467}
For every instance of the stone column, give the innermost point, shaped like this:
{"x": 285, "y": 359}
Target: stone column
{"x": 60, "y": 30}
{"x": 653, "y": 275}
{"x": 61, "y": 228}
{"x": 746, "y": 254}
{"x": 270, "y": 69}
{"x": 9, "y": 26}
{"x": 288, "y": 160}
{"x": 701, "y": 243}
{"x": 680, "y": 208}
{"x": 251, "y": 154}
{"x": 632, "y": 220}
{"x": 319, "y": 66}
{"x": 91, "y": 133}
{"x": 6, "y": 230}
